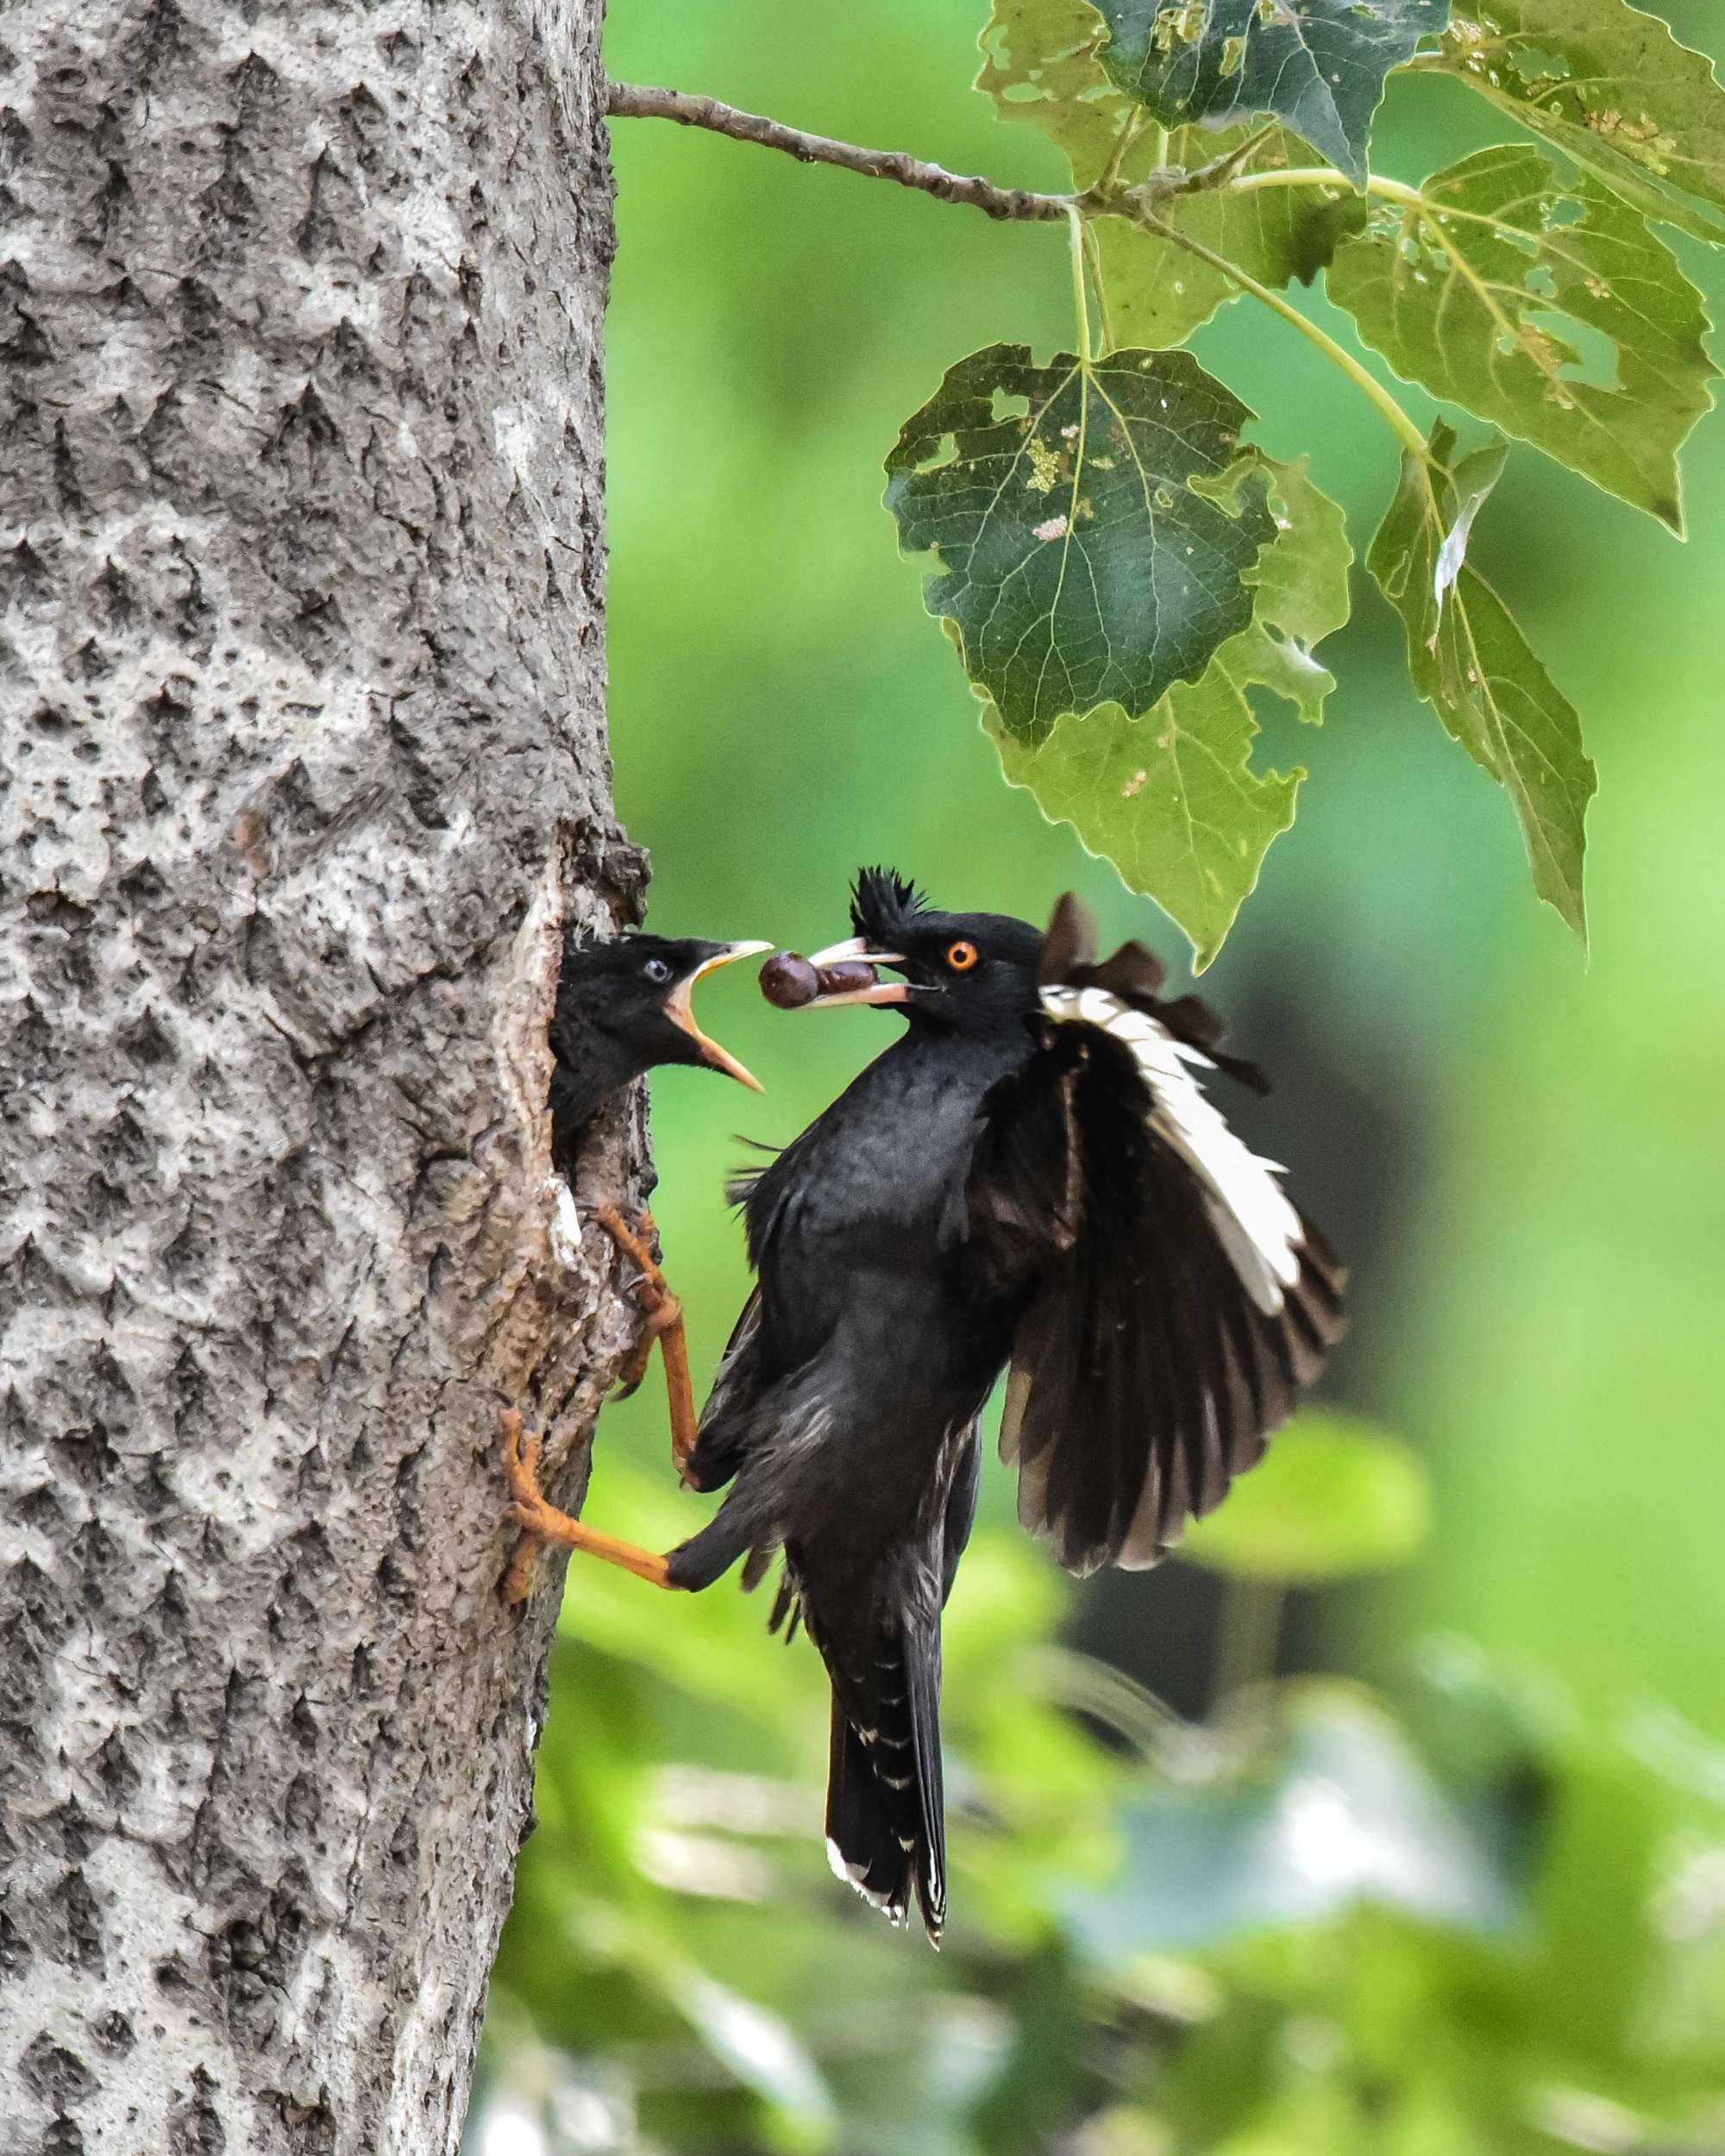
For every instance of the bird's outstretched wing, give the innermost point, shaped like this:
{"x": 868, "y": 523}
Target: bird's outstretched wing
{"x": 1174, "y": 1301}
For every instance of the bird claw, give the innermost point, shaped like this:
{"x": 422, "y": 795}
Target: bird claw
{"x": 521, "y": 1458}
{"x": 540, "y": 1521}
{"x": 529, "y": 1509}
{"x": 635, "y": 1238}
{"x": 662, "y": 1320}
{"x": 661, "y": 1313}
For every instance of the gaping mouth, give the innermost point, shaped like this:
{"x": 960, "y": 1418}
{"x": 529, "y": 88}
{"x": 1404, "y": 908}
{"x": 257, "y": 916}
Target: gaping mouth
{"x": 680, "y": 1012}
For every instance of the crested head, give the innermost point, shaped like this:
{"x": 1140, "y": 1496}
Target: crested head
{"x": 963, "y": 972}
{"x": 883, "y": 903}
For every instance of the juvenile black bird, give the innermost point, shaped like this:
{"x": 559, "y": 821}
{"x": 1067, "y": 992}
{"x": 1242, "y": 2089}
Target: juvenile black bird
{"x": 1030, "y": 1178}
{"x": 624, "y": 1007}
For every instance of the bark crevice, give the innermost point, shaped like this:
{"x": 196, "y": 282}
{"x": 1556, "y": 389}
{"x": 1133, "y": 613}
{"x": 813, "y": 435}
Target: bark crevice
{"x": 302, "y": 770}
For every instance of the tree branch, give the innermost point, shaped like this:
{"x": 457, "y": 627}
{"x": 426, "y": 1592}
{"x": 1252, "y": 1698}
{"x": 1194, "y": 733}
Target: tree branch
{"x": 634, "y": 101}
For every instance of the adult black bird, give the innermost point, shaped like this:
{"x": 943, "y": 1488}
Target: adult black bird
{"x": 624, "y": 1007}
{"x": 1031, "y": 1179}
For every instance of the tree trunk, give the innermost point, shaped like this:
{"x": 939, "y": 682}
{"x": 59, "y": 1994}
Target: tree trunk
{"x": 301, "y": 667}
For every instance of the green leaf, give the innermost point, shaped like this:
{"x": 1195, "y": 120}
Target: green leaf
{"x": 1302, "y": 580}
{"x": 1332, "y": 1497}
{"x": 1610, "y": 86}
{"x": 1544, "y": 306}
{"x": 1319, "y": 65}
{"x": 1598, "y": 1891}
{"x": 1473, "y": 664}
{"x": 1042, "y": 63}
{"x": 1093, "y": 524}
{"x": 1157, "y": 294}
{"x": 1170, "y": 797}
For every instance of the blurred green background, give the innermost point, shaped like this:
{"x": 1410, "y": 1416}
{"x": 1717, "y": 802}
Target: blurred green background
{"x": 1457, "y": 1881}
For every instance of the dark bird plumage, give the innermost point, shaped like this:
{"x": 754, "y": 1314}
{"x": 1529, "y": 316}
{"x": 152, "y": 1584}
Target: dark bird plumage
{"x": 1029, "y": 1179}
{"x": 623, "y": 1009}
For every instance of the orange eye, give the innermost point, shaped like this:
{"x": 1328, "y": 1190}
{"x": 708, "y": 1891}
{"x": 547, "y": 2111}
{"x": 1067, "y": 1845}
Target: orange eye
{"x": 961, "y": 956}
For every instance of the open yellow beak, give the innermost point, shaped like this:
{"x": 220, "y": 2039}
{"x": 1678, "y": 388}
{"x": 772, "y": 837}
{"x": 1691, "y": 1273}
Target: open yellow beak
{"x": 679, "y": 1010}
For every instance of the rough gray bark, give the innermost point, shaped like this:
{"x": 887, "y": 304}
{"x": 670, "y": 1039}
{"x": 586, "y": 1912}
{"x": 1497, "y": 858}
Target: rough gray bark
{"x": 301, "y": 672}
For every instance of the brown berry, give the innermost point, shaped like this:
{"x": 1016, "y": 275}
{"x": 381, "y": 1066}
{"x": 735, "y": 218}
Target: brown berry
{"x": 788, "y": 981}
{"x": 848, "y": 975}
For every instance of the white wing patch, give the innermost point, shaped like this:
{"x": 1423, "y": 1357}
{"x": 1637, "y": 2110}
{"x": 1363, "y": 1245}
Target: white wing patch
{"x": 1258, "y": 1227}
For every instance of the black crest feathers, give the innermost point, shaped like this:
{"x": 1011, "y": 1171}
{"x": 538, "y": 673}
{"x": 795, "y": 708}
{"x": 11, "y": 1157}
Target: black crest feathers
{"x": 882, "y": 903}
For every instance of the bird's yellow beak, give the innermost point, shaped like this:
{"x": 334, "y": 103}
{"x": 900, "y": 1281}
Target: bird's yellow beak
{"x": 857, "y": 952}
{"x": 679, "y": 1009}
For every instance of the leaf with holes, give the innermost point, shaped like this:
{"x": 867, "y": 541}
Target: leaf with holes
{"x": 1611, "y": 87}
{"x": 1041, "y": 64}
{"x": 1171, "y": 796}
{"x": 1472, "y": 663}
{"x": 1093, "y": 524}
{"x": 1544, "y": 305}
{"x": 1318, "y": 64}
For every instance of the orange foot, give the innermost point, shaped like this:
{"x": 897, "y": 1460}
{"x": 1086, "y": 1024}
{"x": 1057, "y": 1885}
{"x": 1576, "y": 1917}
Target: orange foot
{"x": 542, "y": 1522}
{"x": 663, "y": 1316}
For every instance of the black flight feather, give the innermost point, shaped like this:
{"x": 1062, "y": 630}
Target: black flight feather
{"x": 1144, "y": 1375}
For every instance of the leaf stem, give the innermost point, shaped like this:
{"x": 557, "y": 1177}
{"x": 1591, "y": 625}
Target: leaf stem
{"x": 1094, "y": 253}
{"x": 1301, "y": 176}
{"x": 1245, "y": 1648}
{"x": 1128, "y": 135}
{"x": 1375, "y": 184}
{"x": 1367, "y": 384}
{"x": 1094, "y": 1688}
{"x": 1081, "y": 304}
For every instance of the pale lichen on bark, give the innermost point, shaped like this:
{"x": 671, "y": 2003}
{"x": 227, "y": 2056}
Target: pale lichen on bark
{"x": 301, "y": 682}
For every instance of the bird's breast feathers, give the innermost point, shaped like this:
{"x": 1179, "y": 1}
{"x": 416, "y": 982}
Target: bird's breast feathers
{"x": 893, "y": 1148}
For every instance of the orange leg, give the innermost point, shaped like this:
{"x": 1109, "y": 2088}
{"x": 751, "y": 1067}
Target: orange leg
{"x": 664, "y": 1323}
{"x": 543, "y": 1522}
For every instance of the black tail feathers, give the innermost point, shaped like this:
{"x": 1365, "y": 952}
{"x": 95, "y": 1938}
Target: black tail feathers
{"x": 885, "y": 1831}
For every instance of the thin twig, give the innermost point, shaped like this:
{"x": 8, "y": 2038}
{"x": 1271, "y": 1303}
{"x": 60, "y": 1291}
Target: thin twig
{"x": 634, "y": 101}
{"x": 637, "y": 101}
